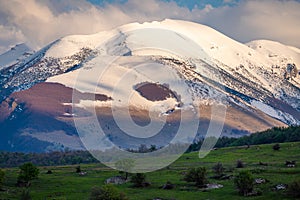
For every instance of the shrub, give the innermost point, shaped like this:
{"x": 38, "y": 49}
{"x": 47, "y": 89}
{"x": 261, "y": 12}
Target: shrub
{"x": 25, "y": 195}
{"x": 138, "y": 180}
{"x": 276, "y": 147}
{"x": 197, "y": 175}
{"x": 240, "y": 164}
{"x": 218, "y": 169}
{"x": 106, "y": 192}
{"x": 27, "y": 173}
{"x": 125, "y": 165}
{"x": 2, "y": 176}
{"x": 78, "y": 169}
{"x": 244, "y": 182}
{"x": 294, "y": 188}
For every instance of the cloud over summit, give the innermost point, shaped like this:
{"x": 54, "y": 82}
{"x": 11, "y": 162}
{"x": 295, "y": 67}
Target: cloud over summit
{"x": 38, "y": 22}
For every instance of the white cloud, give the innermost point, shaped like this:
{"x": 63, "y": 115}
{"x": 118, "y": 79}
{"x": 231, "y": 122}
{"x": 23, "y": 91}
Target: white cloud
{"x": 40, "y": 22}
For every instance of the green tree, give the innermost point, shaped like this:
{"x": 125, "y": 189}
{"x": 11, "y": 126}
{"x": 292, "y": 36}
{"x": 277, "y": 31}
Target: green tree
{"x": 125, "y": 165}
{"x": 2, "y": 176}
{"x": 28, "y": 172}
{"x": 138, "y": 180}
{"x": 218, "y": 169}
{"x": 106, "y": 192}
{"x": 244, "y": 182}
{"x": 25, "y": 195}
{"x": 276, "y": 147}
{"x": 197, "y": 175}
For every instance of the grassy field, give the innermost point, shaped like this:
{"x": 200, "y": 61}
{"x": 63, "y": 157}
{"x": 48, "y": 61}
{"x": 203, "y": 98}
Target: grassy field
{"x": 64, "y": 183}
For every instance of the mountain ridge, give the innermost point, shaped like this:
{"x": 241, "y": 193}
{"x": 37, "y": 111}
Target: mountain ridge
{"x": 204, "y": 67}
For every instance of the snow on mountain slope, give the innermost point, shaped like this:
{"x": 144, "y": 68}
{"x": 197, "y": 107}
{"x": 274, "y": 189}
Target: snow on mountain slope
{"x": 166, "y": 67}
{"x": 14, "y": 55}
{"x": 246, "y": 72}
{"x": 213, "y": 66}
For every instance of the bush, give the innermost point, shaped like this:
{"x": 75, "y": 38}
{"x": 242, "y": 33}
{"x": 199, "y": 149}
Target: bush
{"x": 25, "y": 195}
{"x": 138, "y": 180}
{"x": 27, "y": 173}
{"x": 240, "y": 164}
{"x": 294, "y": 188}
{"x": 244, "y": 182}
{"x": 276, "y": 147}
{"x": 78, "y": 169}
{"x": 218, "y": 169}
{"x": 106, "y": 192}
{"x": 197, "y": 175}
{"x": 2, "y": 176}
{"x": 125, "y": 165}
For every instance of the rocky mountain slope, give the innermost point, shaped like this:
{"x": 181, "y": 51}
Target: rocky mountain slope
{"x": 167, "y": 67}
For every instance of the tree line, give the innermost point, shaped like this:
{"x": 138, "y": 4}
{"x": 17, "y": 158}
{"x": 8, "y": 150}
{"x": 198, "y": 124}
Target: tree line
{"x": 273, "y": 135}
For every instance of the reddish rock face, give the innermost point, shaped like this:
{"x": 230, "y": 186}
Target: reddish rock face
{"x": 46, "y": 98}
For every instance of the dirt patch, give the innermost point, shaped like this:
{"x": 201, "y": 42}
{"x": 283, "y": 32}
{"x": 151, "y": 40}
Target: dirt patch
{"x": 155, "y": 92}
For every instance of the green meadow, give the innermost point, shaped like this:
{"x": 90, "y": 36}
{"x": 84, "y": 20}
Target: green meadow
{"x": 65, "y": 183}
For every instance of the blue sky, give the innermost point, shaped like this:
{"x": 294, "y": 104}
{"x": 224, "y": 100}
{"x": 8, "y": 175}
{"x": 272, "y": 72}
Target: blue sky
{"x": 183, "y": 3}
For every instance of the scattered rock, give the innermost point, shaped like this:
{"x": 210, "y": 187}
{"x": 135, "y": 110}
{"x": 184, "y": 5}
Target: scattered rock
{"x": 82, "y": 173}
{"x": 116, "y": 180}
{"x": 290, "y": 163}
{"x": 260, "y": 181}
{"x": 168, "y": 186}
{"x": 213, "y": 186}
{"x": 146, "y": 184}
{"x": 280, "y": 187}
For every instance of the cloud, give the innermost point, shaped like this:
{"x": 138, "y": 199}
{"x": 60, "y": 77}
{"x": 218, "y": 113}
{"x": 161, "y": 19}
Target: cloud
{"x": 255, "y": 19}
{"x": 38, "y": 22}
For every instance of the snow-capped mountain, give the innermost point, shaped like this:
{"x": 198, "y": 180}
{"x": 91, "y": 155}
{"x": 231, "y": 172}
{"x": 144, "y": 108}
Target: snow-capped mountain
{"x": 163, "y": 66}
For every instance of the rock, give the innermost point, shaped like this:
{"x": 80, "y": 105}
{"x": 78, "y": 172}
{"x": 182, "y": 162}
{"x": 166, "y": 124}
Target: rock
{"x": 260, "y": 180}
{"x": 168, "y": 186}
{"x": 213, "y": 186}
{"x": 116, "y": 180}
{"x": 290, "y": 163}
{"x": 82, "y": 173}
{"x": 280, "y": 187}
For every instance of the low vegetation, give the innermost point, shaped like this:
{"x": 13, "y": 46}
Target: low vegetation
{"x": 2, "y": 176}
{"x": 27, "y": 173}
{"x": 106, "y": 192}
{"x": 244, "y": 182}
{"x": 294, "y": 188}
{"x": 265, "y": 176}
{"x": 197, "y": 175}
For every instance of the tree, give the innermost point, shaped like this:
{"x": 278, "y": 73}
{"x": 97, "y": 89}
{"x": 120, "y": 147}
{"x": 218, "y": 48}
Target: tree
{"x": 125, "y": 165}
{"x": 218, "y": 169}
{"x": 197, "y": 175}
{"x": 27, "y": 173}
{"x": 276, "y": 147}
{"x": 78, "y": 169}
{"x": 244, "y": 182}
{"x": 143, "y": 149}
{"x": 2, "y": 176}
{"x": 240, "y": 164}
{"x": 138, "y": 180}
{"x": 106, "y": 192}
{"x": 25, "y": 195}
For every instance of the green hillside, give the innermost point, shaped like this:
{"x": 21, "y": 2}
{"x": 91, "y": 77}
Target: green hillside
{"x": 64, "y": 183}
